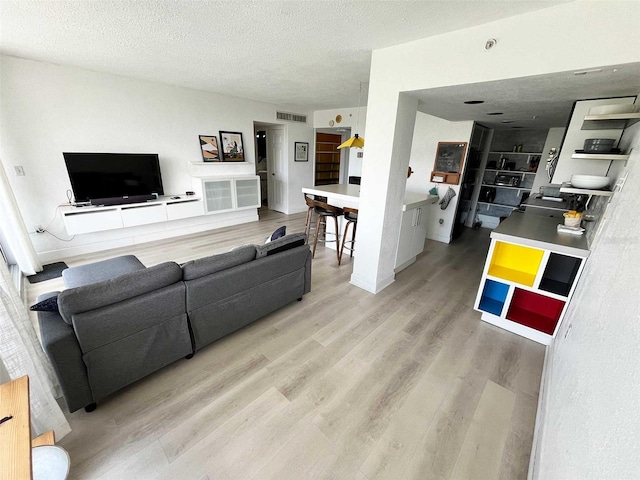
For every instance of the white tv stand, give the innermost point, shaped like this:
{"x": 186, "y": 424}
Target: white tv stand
{"x": 218, "y": 196}
{"x": 87, "y": 219}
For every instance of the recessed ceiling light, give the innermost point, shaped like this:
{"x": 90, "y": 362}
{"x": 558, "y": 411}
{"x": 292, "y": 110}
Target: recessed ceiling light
{"x": 495, "y": 113}
{"x": 507, "y": 121}
{"x": 516, "y": 127}
{"x": 474, "y": 102}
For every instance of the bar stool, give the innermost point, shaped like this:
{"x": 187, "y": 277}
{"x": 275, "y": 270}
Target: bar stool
{"x": 311, "y": 203}
{"x": 324, "y": 211}
{"x": 351, "y": 216}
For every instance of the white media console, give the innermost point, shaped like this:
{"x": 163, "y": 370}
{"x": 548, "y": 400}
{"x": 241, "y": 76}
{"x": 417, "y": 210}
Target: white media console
{"x": 213, "y": 195}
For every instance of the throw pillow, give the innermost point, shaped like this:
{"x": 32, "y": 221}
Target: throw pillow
{"x": 280, "y": 232}
{"x": 48, "y": 305}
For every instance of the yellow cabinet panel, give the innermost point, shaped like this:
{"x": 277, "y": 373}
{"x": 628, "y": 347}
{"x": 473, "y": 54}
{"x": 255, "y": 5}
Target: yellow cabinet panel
{"x": 515, "y": 263}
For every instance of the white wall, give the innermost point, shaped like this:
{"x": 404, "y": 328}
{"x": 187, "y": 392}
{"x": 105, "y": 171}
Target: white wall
{"x": 48, "y": 109}
{"x": 428, "y": 131}
{"x": 554, "y": 140}
{"x": 590, "y": 426}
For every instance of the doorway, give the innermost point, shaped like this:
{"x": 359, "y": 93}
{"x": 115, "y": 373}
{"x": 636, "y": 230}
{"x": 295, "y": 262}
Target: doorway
{"x": 271, "y": 165}
{"x": 330, "y": 164}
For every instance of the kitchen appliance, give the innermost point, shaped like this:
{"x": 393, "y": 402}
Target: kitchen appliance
{"x": 487, "y": 194}
{"x": 506, "y": 180}
{"x": 598, "y": 145}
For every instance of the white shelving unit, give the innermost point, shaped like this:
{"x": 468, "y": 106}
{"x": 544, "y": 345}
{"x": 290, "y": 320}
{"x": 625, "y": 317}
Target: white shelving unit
{"x": 88, "y": 219}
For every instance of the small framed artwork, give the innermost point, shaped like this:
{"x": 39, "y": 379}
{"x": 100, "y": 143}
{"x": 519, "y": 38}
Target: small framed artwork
{"x": 449, "y": 161}
{"x": 232, "y": 146}
{"x": 209, "y": 146}
{"x": 302, "y": 152}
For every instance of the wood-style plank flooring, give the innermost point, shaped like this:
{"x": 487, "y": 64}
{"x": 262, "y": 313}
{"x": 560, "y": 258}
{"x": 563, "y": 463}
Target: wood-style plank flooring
{"x": 405, "y": 384}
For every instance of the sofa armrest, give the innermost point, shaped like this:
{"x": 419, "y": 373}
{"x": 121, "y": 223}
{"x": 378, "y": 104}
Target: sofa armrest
{"x": 62, "y": 348}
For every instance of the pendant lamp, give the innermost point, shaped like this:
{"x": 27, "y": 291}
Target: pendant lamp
{"x": 356, "y": 141}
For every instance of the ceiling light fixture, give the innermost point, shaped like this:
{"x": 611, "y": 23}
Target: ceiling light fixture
{"x": 495, "y": 113}
{"x": 356, "y": 141}
{"x": 474, "y": 102}
{"x": 507, "y": 121}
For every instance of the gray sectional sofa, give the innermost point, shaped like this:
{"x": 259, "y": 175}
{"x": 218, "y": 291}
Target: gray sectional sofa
{"x": 113, "y": 328}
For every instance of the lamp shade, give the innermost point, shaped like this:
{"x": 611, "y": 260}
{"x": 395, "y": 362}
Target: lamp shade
{"x": 353, "y": 142}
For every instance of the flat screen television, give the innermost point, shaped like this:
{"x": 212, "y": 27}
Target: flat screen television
{"x": 114, "y": 178}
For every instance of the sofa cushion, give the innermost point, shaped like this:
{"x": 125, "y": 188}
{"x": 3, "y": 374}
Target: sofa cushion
{"x": 216, "y": 263}
{"x": 97, "y": 295}
{"x": 100, "y": 271}
{"x": 281, "y": 244}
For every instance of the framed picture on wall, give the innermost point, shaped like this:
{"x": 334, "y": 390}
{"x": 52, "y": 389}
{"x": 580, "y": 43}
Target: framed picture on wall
{"x": 209, "y": 147}
{"x": 449, "y": 162}
{"x": 232, "y": 146}
{"x": 302, "y": 152}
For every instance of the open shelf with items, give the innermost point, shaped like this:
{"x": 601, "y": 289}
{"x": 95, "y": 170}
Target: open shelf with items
{"x": 527, "y": 284}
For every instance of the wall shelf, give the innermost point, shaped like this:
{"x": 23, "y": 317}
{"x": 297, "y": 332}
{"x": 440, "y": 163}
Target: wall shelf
{"x": 614, "y": 121}
{"x": 584, "y": 191}
{"x": 600, "y": 156}
{"x": 505, "y": 186}
{"x": 516, "y": 153}
{"x": 508, "y": 171}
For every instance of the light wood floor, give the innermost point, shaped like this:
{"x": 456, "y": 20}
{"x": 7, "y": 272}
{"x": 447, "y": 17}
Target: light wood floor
{"x": 406, "y": 384}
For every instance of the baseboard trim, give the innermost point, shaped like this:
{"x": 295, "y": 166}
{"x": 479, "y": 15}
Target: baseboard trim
{"x": 538, "y": 430}
{"x": 371, "y": 287}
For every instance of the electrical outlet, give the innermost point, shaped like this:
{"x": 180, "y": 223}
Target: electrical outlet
{"x": 19, "y": 170}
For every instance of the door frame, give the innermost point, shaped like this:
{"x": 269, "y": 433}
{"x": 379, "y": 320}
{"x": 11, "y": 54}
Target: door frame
{"x": 269, "y": 127}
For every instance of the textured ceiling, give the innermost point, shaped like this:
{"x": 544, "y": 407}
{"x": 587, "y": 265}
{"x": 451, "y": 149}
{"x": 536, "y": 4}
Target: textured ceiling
{"x": 305, "y": 54}
{"x": 549, "y": 97}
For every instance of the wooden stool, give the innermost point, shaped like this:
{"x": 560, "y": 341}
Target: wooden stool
{"x": 311, "y": 203}
{"x": 351, "y": 216}
{"x": 324, "y": 210}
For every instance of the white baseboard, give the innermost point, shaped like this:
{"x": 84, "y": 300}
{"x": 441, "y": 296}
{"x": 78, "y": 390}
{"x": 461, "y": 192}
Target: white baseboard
{"x": 369, "y": 286}
{"x": 538, "y": 431}
{"x": 439, "y": 238}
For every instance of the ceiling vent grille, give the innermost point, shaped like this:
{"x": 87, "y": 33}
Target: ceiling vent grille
{"x": 291, "y": 117}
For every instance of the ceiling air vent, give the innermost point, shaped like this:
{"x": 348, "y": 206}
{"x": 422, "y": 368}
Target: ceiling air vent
{"x": 291, "y": 117}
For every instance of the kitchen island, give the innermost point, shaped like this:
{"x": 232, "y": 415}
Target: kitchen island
{"x": 412, "y": 231}
{"x": 530, "y": 275}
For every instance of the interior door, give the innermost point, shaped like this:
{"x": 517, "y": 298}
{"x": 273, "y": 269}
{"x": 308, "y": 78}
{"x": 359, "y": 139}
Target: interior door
{"x": 277, "y": 169}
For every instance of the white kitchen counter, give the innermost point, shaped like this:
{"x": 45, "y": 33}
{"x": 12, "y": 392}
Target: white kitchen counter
{"x": 347, "y": 195}
{"x": 540, "y": 232}
{"x": 412, "y": 230}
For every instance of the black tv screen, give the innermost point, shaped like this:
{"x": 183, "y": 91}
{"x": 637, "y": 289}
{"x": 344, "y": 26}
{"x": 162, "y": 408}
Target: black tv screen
{"x": 112, "y": 175}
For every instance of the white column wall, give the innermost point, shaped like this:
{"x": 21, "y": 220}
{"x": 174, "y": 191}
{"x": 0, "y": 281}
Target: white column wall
{"x": 383, "y": 189}
{"x": 428, "y": 131}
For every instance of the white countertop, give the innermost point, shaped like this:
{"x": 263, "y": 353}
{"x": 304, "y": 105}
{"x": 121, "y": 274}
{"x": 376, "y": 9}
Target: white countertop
{"x": 540, "y": 232}
{"x": 351, "y": 193}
